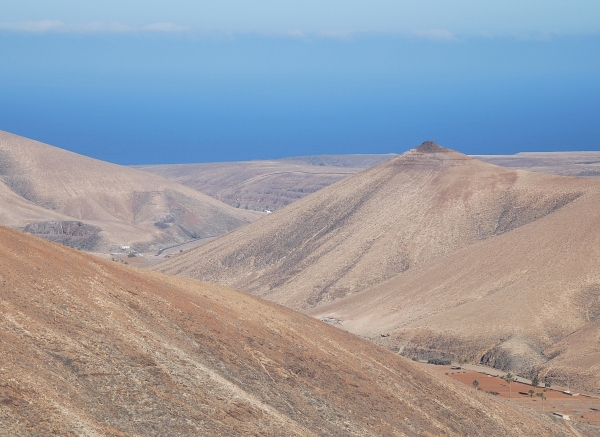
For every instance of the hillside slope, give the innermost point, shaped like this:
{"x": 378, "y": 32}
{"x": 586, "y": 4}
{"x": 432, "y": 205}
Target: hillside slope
{"x": 117, "y": 205}
{"x": 90, "y": 347}
{"x": 354, "y": 234}
{"x": 528, "y": 300}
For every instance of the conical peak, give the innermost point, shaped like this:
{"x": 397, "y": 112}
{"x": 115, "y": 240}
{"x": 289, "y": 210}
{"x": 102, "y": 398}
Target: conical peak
{"x": 430, "y": 147}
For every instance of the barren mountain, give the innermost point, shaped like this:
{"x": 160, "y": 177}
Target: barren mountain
{"x": 90, "y": 347}
{"x": 266, "y": 185}
{"x": 528, "y": 300}
{"x": 271, "y": 185}
{"x": 94, "y": 205}
{"x": 354, "y": 234}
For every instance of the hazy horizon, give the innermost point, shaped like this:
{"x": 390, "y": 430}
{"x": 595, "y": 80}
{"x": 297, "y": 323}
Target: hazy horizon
{"x": 195, "y": 82}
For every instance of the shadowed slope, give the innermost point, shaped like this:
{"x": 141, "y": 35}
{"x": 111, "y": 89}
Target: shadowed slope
{"x": 90, "y": 347}
{"x": 365, "y": 229}
{"x": 129, "y": 206}
{"x": 576, "y": 356}
{"x": 521, "y": 301}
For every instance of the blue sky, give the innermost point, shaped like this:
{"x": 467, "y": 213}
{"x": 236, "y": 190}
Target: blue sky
{"x": 191, "y": 81}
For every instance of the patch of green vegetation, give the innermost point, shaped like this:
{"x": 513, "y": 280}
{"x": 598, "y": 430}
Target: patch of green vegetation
{"x": 439, "y": 362}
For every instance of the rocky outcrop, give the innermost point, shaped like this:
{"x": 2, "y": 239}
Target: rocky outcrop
{"x": 74, "y": 234}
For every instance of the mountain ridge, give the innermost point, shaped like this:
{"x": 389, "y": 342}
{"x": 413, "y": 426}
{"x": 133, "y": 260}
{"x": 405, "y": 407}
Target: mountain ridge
{"x": 378, "y": 223}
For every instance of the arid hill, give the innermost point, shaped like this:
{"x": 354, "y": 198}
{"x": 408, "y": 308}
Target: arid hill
{"x": 91, "y": 347}
{"x": 94, "y": 205}
{"x": 271, "y": 185}
{"x": 361, "y": 231}
{"x": 528, "y": 300}
{"x": 266, "y": 185}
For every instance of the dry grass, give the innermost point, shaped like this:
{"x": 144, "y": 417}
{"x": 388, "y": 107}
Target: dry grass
{"x": 90, "y": 347}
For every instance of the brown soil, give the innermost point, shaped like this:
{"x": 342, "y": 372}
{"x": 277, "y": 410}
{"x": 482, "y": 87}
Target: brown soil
{"x": 92, "y": 347}
{"x": 446, "y": 255}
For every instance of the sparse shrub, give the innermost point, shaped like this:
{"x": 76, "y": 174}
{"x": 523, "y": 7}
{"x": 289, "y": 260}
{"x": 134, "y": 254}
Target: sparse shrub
{"x": 476, "y": 384}
{"x": 493, "y": 393}
{"x": 535, "y": 381}
{"x": 439, "y": 362}
{"x": 541, "y": 395}
{"x": 510, "y": 378}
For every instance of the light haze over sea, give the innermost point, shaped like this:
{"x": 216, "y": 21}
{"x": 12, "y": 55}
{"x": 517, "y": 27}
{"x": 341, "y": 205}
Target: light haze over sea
{"x": 136, "y": 82}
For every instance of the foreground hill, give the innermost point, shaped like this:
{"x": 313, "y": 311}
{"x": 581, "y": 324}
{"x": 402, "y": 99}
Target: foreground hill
{"x": 266, "y": 185}
{"x": 528, "y": 300}
{"x": 91, "y": 347}
{"x": 94, "y": 205}
{"x": 376, "y": 224}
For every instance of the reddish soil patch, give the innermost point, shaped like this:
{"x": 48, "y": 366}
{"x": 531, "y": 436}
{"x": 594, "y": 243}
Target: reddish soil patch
{"x": 581, "y": 409}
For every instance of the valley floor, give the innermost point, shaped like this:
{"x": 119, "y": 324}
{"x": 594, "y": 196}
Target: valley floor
{"x": 583, "y": 410}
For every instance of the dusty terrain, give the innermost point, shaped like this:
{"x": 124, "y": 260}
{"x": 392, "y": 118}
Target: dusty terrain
{"x": 266, "y": 185}
{"x": 51, "y": 192}
{"x": 527, "y": 300}
{"x": 271, "y": 185}
{"x": 443, "y": 255}
{"x": 91, "y": 347}
{"x": 585, "y": 164}
{"x": 376, "y": 224}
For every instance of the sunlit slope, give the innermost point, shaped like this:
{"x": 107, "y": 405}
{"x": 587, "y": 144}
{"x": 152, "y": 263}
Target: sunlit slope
{"x": 363, "y": 230}
{"x": 519, "y": 301}
{"x": 91, "y": 347}
{"x": 129, "y": 207}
